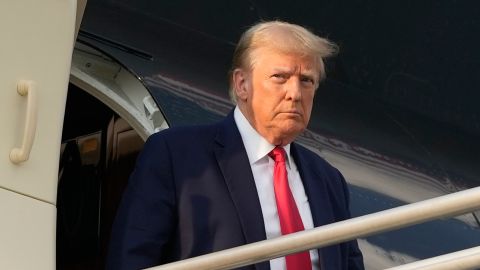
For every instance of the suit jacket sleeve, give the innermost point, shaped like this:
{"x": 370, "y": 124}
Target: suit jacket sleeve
{"x": 146, "y": 216}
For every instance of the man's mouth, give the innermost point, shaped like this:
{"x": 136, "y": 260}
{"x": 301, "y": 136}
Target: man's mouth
{"x": 291, "y": 113}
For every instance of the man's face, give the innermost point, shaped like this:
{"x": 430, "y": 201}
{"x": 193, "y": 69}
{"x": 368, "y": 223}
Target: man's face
{"x": 276, "y": 96}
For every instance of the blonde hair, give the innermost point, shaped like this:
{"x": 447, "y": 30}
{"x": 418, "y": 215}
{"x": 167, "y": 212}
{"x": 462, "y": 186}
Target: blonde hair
{"x": 283, "y": 37}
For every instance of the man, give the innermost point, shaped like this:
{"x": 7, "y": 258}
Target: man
{"x": 201, "y": 189}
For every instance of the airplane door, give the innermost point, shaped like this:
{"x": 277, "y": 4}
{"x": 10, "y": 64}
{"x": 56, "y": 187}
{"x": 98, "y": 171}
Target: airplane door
{"x": 36, "y": 43}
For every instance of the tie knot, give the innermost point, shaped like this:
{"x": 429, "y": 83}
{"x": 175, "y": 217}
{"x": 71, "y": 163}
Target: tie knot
{"x": 277, "y": 154}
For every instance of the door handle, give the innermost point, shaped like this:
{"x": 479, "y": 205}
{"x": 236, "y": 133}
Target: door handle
{"x": 26, "y": 88}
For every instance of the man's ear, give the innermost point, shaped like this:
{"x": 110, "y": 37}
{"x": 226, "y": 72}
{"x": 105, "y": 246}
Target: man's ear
{"x": 240, "y": 83}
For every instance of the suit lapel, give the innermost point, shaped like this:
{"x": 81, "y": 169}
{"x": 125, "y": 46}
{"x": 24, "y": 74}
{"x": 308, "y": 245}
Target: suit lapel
{"x": 316, "y": 191}
{"x": 235, "y": 167}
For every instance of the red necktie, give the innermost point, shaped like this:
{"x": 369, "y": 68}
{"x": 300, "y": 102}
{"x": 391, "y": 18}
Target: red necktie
{"x": 290, "y": 220}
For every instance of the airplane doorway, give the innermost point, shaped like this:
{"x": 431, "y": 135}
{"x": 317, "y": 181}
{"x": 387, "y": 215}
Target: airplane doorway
{"x": 98, "y": 153}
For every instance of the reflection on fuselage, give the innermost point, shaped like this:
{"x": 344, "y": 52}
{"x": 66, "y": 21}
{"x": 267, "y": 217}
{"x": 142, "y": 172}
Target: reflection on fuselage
{"x": 377, "y": 258}
{"x": 365, "y": 168}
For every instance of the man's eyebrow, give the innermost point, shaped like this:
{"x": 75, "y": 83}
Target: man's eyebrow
{"x": 310, "y": 73}
{"x": 283, "y": 69}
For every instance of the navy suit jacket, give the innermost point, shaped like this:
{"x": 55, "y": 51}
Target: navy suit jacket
{"x": 192, "y": 192}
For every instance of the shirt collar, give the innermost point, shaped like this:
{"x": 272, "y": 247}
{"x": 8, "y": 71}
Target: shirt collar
{"x": 256, "y": 146}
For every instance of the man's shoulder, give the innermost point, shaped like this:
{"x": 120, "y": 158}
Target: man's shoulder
{"x": 193, "y": 134}
{"x": 188, "y": 131}
{"x": 185, "y": 134}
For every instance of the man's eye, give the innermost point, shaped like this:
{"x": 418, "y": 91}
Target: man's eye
{"x": 280, "y": 78}
{"x": 307, "y": 80}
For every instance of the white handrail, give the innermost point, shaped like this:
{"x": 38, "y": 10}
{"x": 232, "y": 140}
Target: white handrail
{"x": 461, "y": 260}
{"x": 21, "y": 154}
{"x": 444, "y": 206}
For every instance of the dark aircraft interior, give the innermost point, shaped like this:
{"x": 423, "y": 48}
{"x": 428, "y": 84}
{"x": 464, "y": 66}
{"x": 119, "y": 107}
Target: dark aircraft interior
{"x": 99, "y": 150}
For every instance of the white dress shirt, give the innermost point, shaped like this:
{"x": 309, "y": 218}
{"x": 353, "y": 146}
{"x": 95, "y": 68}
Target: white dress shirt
{"x": 262, "y": 168}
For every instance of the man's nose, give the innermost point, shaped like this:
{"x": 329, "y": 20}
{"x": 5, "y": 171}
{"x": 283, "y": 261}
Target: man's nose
{"x": 293, "y": 89}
